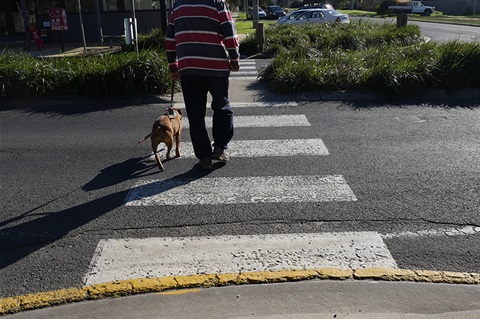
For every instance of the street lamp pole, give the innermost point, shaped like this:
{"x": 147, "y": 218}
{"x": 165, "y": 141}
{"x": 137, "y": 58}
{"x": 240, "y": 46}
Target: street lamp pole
{"x": 134, "y": 27}
{"x": 81, "y": 27}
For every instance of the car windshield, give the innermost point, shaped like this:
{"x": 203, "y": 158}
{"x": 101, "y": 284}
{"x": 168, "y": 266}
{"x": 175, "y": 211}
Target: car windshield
{"x": 295, "y": 14}
{"x": 275, "y": 9}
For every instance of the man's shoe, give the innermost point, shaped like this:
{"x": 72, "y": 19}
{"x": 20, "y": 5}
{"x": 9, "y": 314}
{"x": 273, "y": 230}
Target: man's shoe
{"x": 219, "y": 154}
{"x": 205, "y": 164}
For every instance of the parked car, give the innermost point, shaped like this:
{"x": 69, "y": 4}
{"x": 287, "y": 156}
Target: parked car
{"x": 296, "y": 13}
{"x": 305, "y": 16}
{"x": 261, "y": 14}
{"x": 319, "y": 6}
{"x": 413, "y": 7}
{"x": 275, "y": 12}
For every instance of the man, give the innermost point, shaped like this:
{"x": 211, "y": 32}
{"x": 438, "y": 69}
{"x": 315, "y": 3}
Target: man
{"x": 202, "y": 48}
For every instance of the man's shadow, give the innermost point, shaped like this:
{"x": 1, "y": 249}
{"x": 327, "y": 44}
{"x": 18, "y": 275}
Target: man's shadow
{"x": 21, "y": 240}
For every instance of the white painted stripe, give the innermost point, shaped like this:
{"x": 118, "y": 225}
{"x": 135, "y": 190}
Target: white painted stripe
{"x": 243, "y": 73}
{"x": 261, "y": 121}
{"x": 257, "y": 148}
{"x": 121, "y": 259}
{"x": 464, "y": 231}
{"x": 247, "y": 67}
{"x": 246, "y": 78}
{"x": 238, "y": 190}
{"x": 236, "y": 105}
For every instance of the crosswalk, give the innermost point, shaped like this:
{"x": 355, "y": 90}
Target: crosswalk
{"x": 116, "y": 259}
{"x": 248, "y": 71}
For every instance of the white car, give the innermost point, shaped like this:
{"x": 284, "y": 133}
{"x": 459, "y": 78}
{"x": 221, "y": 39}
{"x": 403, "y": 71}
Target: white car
{"x": 304, "y": 16}
{"x": 261, "y": 14}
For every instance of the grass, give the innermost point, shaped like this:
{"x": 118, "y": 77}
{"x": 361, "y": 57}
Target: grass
{"x": 108, "y": 75}
{"x": 437, "y": 17}
{"x": 352, "y": 36}
{"x": 440, "y": 18}
{"x": 392, "y": 62}
{"x": 245, "y": 26}
{"x": 362, "y": 55}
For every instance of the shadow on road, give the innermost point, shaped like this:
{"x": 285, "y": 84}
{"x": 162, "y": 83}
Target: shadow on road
{"x": 21, "y": 240}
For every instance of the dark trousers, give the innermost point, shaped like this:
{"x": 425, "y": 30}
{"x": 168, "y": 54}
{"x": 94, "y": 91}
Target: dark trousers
{"x": 195, "y": 89}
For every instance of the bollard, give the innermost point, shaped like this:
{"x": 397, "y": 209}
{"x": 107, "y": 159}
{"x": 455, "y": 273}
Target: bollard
{"x": 402, "y": 19}
{"x": 260, "y": 35}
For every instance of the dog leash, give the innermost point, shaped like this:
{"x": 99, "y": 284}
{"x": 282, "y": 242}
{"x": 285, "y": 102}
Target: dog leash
{"x": 171, "y": 111}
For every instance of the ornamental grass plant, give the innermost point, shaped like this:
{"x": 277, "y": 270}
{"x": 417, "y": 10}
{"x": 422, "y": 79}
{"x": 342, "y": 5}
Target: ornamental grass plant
{"x": 105, "y": 75}
{"x": 357, "y": 56}
{"x": 380, "y": 58}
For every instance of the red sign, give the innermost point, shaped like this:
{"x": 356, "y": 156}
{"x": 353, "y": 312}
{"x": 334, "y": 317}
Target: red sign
{"x": 38, "y": 40}
{"x": 58, "y": 19}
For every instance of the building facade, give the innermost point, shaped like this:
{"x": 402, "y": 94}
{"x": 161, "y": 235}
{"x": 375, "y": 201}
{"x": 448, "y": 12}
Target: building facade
{"x": 99, "y": 17}
{"x": 455, "y": 7}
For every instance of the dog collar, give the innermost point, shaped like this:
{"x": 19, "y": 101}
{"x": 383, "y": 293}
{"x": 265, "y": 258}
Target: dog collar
{"x": 171, "y": 113}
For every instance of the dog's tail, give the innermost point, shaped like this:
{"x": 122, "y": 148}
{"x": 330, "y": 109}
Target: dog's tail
{"x": 143, "y": 139}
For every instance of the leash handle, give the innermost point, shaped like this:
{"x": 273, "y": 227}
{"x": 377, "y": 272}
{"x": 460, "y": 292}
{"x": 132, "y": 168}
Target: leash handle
{"x": 171, "y": 112}
{"x": 173, "y": 92}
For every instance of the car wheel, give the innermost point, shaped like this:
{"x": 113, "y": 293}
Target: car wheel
{"x": 428, "y": 13}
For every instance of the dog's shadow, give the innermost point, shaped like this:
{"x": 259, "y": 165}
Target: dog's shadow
{"x": 135, "y": 168}
{"x": 120, "y": 172}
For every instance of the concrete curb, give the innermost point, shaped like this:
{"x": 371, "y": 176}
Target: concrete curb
{"x": 149, "y": 285}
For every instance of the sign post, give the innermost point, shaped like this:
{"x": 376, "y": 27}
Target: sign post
{"x": 255, "y": 13}
{"x": 58, "y": 22}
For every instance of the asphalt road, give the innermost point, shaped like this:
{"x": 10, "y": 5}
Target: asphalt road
{"x": 440, "y": 32}
{"x": 66, "y": 171}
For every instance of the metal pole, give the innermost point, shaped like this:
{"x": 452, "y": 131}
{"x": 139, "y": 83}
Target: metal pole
{"x": 81, "y": 27}
{"x": 255, "y": 13}
{"x": 134, "y": 25}
{"x": 24, "y": 17}
{"x": 99, "y": 22}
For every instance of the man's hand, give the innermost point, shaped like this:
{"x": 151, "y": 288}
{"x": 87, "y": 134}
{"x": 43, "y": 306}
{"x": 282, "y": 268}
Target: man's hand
{"x": 174, "y": 76}
{"x": 174, "y": 72}
{"x": 234, "y": 66}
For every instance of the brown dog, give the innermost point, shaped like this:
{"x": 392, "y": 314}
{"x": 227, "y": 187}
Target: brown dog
{"x": 164, "y": 129}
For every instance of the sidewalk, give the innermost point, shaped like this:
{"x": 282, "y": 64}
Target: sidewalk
{"x": 299, "y": 300}
{"x": 55, "y": 50}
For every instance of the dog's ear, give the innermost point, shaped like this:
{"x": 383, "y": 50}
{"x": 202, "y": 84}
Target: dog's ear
{"x": 179, "y": 111}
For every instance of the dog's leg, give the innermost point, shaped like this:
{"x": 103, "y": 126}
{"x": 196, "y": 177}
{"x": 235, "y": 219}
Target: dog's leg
{"x": 155, "y": 144}
{"x": 169, "y": 144}
{"x": 177, "y": 143}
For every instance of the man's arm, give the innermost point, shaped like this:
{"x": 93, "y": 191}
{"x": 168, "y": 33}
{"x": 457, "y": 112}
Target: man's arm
{"x": 229, "y": 32}
{"x": 171, "y": 49}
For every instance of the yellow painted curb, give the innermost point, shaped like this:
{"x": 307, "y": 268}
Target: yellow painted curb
{"x": 148, "y": 285}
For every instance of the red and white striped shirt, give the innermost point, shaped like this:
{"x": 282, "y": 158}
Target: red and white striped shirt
{"x": 201, "y": 38}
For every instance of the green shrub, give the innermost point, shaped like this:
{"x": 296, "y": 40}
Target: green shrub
{"x": 354, "y": 36}
{"x": 457, "y": 65}
{"x": 108, "y": 75}
{"x": 391, "y": 69}
{"x": 154, "y": 40}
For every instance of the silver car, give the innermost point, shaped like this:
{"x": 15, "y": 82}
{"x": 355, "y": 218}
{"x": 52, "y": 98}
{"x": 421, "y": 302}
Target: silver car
{"x": 304, "y": 16}
{"x": 261, "y": 14}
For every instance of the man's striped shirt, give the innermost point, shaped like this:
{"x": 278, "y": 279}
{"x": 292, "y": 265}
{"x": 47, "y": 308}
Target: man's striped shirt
{"x": 201, "y": 37}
